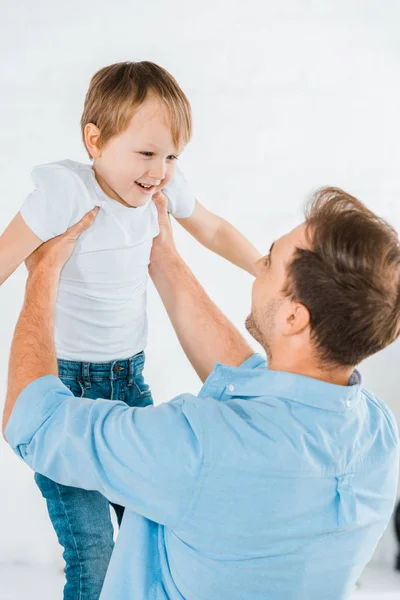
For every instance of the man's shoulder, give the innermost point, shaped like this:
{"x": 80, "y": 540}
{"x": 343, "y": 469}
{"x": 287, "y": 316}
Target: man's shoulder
{"x": 381, "y": 416}
{"x": 188, "y": 401}
{"x": 198, "y": 409}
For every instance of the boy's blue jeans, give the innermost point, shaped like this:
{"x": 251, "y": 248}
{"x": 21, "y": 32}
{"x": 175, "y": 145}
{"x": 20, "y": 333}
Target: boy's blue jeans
{"x": 81, "y": 518}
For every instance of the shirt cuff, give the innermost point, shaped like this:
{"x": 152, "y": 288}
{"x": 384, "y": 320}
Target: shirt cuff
{"x": 33, "y": 406}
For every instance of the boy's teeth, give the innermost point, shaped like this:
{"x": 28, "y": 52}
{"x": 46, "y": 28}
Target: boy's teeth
{"x": 144, "y": 186}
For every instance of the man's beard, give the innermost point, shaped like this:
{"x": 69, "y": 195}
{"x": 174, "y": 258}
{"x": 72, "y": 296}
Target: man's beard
{"x": 257, "y": 334}
{"x": 262, "y": 332}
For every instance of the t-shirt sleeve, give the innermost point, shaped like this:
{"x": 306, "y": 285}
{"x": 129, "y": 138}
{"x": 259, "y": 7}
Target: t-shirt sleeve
{"x": 57, "y": 202}
{"x": 181, "y": 201}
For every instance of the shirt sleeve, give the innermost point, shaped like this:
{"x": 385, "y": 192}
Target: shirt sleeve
{"x": 147, "y": 459}
{"x": 181, "y": 201}
{"x": 57, "y": 202}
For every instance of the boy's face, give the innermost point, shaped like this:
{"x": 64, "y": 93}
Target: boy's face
{"x": 143, "y": 155}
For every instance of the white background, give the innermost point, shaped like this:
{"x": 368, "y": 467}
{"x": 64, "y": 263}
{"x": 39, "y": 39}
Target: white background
{"x": 286, "y": 96}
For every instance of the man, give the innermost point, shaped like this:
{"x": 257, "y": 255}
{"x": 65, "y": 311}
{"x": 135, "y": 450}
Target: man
{"x": 274, "y": 482}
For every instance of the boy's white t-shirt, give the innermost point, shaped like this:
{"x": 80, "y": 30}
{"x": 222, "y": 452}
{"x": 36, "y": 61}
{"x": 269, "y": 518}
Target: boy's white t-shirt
{"x": 101, "y": 301}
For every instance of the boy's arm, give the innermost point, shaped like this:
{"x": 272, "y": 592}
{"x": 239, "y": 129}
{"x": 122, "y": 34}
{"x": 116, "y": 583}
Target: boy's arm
{"x": 16, "y": 244}
{"x": 221, "y": 237}
{"x": 47, "y": 212}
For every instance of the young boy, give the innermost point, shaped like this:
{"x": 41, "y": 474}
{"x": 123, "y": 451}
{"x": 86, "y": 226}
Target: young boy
{"x": 136, "y": 121}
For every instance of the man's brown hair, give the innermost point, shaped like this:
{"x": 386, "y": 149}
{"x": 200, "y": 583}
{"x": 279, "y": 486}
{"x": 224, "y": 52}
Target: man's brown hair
{"x": 116, "y": 91}
{"x": 349, "y": 279}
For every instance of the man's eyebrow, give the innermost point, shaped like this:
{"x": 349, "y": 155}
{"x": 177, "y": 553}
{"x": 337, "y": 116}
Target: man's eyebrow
{"x": 270, "y": 251}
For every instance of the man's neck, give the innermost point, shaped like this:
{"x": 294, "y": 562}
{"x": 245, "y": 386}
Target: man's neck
{"x": 308, "y": 367}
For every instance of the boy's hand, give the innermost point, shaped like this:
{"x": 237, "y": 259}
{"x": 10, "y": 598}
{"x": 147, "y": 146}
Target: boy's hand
{"x": 53, "y": 255}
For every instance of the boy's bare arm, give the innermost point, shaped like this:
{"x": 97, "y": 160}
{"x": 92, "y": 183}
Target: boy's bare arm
{"x": 221, "y": 237}
{"x": 205, "y": 334}
{"x": 16, "y": 243}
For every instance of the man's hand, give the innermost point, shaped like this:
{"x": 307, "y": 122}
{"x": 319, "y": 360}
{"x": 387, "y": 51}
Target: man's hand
{"x": 164, "y": 242}
{"x": 53, "y": 255}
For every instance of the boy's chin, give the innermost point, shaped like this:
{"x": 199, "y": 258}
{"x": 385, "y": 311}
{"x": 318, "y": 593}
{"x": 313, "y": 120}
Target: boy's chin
{"x": 141, "y": 201}
{"x": 136, "y": 202}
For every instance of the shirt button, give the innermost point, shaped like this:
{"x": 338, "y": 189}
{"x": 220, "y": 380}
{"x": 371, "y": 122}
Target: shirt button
{"x": 231, "y": 387}
{"x": 348, "y": 403}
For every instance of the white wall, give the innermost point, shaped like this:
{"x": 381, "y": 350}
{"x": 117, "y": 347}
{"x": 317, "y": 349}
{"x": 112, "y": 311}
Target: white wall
{"x": 286, "y": 96}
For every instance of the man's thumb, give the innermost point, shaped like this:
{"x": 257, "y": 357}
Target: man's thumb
{"x": 161, "y": 202}
{"x": 85, "y": 222}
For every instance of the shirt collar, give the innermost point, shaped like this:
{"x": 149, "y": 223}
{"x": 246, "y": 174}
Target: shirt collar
{"x": 254, "y": 379}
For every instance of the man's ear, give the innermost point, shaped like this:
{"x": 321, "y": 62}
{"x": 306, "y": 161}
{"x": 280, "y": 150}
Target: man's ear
{"x": 92, "y": 137}
{"x": 297, "y": 320}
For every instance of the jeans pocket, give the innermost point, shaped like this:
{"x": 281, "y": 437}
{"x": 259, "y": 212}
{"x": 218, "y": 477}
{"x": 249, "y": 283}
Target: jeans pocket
{"x": 141, "y": 392}
{"x": 74, "y": 386}
{"x": 142, "y": 388}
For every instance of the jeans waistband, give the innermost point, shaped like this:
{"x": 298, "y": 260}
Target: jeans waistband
{"x": 125, "y": 368}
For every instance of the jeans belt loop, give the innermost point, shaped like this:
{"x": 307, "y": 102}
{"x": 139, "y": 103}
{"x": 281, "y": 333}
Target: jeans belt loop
{"x": 131, "y": 370}
{"x": 86, "y": 375}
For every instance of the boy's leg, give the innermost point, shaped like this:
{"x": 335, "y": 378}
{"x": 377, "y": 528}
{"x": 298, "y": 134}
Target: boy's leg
{"x": 81, "y": 520}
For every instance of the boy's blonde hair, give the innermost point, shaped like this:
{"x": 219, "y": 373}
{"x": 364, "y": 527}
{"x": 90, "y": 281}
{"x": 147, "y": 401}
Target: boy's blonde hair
{"x": 116, "y": 91}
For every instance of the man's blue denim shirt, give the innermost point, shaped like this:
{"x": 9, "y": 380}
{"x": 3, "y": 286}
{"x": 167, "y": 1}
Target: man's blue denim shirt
{"x": 266, "y": 486}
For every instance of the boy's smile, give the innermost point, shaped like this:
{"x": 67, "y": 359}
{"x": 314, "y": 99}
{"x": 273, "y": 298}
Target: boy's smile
{"x": 131, "y": 166}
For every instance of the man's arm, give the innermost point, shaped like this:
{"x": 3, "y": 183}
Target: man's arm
{"x": 147, "y": 459}
{"x": 124, "y": 453}
{"x": 221, "y": 237}
{"x": 32, "y": 350}
{"x": 205, "y": 334}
